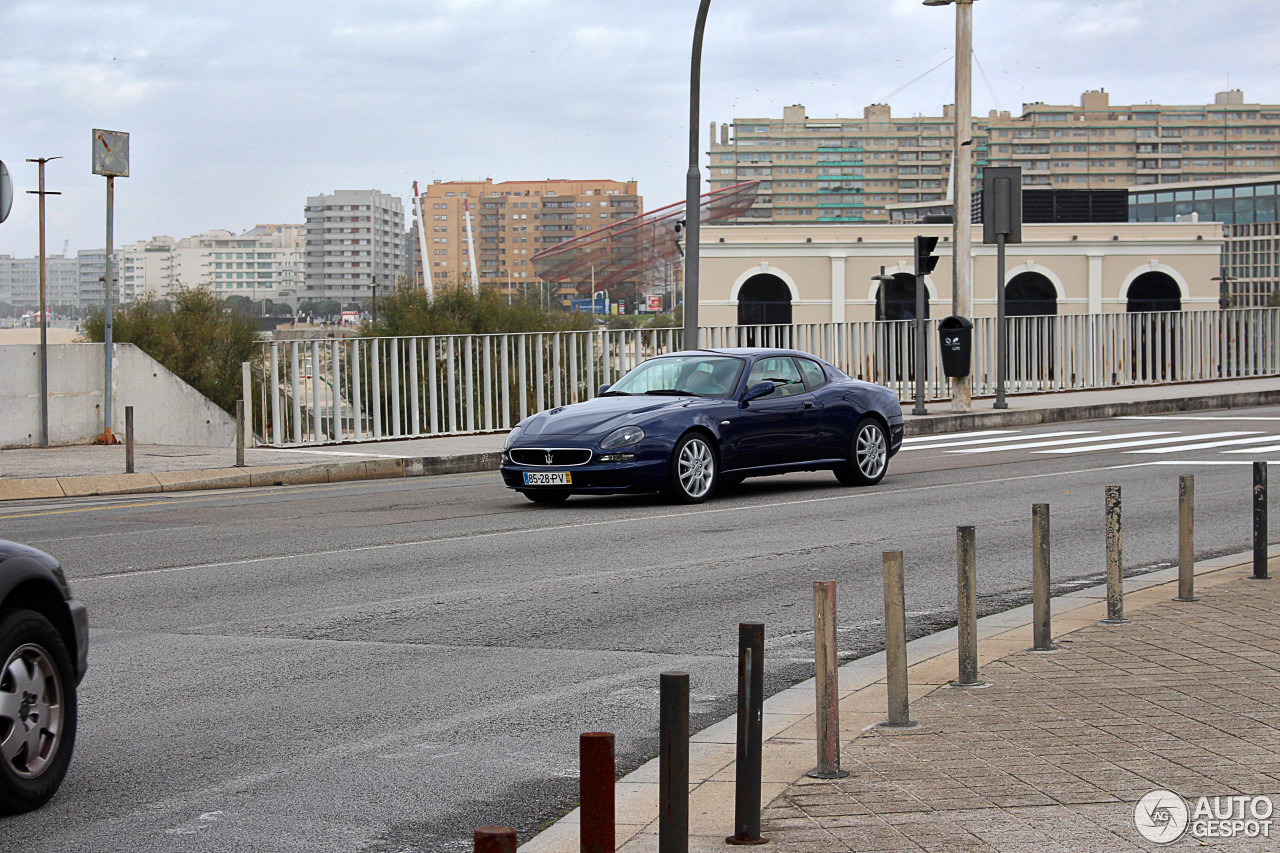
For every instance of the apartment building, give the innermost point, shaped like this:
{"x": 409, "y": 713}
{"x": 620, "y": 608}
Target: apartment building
{"x": 853, "y": 169}
{"x": 510, "y": 222}
{"x": 352, "y": 240}
{"x": 20, "y": 282}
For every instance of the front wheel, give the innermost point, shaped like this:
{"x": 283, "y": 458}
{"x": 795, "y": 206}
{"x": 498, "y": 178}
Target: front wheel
{"x": 868, "y": 455}
{"x": 37, "y": 710}
{"x": 692, "y": 477}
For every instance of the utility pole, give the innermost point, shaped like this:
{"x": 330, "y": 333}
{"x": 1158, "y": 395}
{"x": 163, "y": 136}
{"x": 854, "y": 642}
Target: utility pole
{"x": 44, "y": 310}
{"x": 692, "y": 187}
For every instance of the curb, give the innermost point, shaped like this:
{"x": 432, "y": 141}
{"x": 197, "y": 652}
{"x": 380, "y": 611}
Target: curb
{"x": 231, "y": 478}
{"x": 790, "y": 738}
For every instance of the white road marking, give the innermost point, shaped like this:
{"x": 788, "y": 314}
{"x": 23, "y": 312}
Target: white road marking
{"x": 1122, "y": 444}
{"x": 951, "y": 436}
{"x": 964, "y": 442}
{"x": 1272, "y": 449}
{"x": 1192, "y": 447}
{"x": 1194, "y": 418}
{"x": 326, "y": 452}
{"x": 1026, "y": 444}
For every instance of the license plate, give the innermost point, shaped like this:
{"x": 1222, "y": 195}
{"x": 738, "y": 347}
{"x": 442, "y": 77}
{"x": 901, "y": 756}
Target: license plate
{"x": 547, "y": 478}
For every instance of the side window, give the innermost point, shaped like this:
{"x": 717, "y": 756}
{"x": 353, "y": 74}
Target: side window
{"x": 814, "y": 377}
{"x": 781, "y": 372}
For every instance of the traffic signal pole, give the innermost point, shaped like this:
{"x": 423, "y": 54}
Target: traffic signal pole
{"x": 925, "y": 262}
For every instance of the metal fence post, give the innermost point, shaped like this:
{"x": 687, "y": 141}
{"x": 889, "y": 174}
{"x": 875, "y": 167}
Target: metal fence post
{"x": 595, "y": 788}
{"x": 1186, "y": 538}
{"x": 128, "y": 439}
{"x": 966, "y": 610}
{"x": 1115, "y": 560}
{"x": 1042, "y": 635}
{"x": 895, "y": 642}
{"x": 826, "y": 682}
{"x": 239, "y": 433}
{"x": 673, "y": 763}
{"x": 746, "y": 812}
{"x": 1260, "y": 520}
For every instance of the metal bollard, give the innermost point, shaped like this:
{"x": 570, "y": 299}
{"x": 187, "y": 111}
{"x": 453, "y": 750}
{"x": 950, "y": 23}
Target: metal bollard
{"x": 128, "y": 439}
{"x": 495, "y": 839}
{"x": 826, "y": 682}
{"x": 895, "y": 642}
{"x": 673, "y": 763}
{"x": 1260, "y": 521}
{"x": 595, "y": 789}
{"x": 239, "y": 433}
{"x": 1041, "y": 632}
{"x": 746, "y": 811}
{"x": 966, "y": 610}
{"x": 1186, "y": 538}
{"x": 1115, "y": 560}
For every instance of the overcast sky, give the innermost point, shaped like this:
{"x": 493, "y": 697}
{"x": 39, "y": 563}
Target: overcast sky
{"x": 237, "y": 111}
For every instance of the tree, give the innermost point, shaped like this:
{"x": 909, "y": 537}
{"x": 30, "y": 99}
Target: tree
{"x": 193, "y": 333}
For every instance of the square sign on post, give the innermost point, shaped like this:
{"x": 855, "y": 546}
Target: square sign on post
{"x": 1002, "y": 204}
{"x": 111, "y": 153}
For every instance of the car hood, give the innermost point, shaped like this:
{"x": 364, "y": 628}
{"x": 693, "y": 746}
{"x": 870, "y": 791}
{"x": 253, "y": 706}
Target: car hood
{"x": 603, "y": 414}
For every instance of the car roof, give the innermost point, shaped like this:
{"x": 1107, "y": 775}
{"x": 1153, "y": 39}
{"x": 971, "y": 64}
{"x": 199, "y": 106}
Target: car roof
{"x": 741, "y": 352}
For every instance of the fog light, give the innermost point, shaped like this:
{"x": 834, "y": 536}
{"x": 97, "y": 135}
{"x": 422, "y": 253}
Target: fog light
{"x": 616, "y": 457}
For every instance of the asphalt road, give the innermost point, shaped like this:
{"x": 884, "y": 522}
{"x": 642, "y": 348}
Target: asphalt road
{"x": 382, "y": 666}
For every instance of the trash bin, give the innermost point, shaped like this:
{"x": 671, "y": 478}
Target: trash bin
{"x": 955, "y": 334}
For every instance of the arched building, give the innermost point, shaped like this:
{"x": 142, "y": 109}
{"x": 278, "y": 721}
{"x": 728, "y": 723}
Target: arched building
{"x": 823, "y": 273}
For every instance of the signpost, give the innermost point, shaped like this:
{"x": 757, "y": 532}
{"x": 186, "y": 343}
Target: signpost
{"x": 1001, "y": 224}
{"x": 111, "y": 160}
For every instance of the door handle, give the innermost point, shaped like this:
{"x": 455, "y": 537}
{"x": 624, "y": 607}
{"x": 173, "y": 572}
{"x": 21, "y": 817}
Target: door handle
{"x": 808, "y": 405}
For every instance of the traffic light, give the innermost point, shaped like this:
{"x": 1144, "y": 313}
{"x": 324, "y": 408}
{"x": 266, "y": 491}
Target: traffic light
{"x": 925, "y": 259}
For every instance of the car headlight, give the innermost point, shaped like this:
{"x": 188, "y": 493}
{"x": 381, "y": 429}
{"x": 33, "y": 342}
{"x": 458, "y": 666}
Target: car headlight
{"x": 511, "y": 437}
{"x": 621, "y": 437}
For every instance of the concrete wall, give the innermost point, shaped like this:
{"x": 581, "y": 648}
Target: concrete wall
{"x": 166, "y": 410}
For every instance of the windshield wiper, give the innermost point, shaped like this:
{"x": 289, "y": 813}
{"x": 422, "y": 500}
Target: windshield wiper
{"x": 669, "y": 392}
{"x": 615, "y": 394}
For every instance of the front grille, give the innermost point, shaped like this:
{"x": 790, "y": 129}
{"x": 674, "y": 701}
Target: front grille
{"x": 550, "y": 457}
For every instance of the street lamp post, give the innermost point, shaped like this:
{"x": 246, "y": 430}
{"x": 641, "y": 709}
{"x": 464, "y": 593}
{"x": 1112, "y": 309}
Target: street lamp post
{"x": 962, "y": 158}
{"x": 375, "y": 299}
{"x": 44, "y": 308}
{"x": 1224, "y": 289}
{"x": 693, "y": 182}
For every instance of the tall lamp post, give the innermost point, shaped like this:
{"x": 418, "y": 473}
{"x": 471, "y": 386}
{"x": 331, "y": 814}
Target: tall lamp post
{"x": 44, "y": 308}
{"x": 693, "y": 182}
{"x": 1224, "y": 289}
{"x": 374, "y": 288}
{"x": 962, "y": 158}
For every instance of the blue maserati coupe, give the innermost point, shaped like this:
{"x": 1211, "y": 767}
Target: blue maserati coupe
{"x": 688, "y": 422}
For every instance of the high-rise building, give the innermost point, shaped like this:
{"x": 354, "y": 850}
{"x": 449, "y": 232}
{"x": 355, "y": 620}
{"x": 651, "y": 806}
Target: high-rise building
{"x": 20, "y": 282}
{"x": 92, "y": 264}
{"x": 510, "y": 222}
{"x": 353, "y": 239}
{"x": 850, "y": 169}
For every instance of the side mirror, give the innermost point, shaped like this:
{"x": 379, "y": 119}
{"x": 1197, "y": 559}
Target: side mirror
{"x": 602, "y": 389}
{"x": 755, "y": 392}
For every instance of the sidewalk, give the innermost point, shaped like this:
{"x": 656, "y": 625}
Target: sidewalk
{"x": 54, "y": 472}
{"x": 1052, "y": 756}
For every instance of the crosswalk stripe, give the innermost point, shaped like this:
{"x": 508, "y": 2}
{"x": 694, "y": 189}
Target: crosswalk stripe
{"x": 1026, "y": 444}
{"x": 1113, "y": 445}
{"x": 1180, "y": 448}
{"x": 962, "y": 442}
{"x": 951, "y": 436}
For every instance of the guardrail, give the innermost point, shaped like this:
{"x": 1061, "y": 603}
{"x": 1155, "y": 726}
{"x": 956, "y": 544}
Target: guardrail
{"x": 361, "y": 389}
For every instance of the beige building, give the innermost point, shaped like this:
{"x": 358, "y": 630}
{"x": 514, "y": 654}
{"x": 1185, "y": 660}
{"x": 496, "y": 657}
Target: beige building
{"x": 510, "y": 222}
{"x": 850, "y": 169}
{"x": 823, "y": 273}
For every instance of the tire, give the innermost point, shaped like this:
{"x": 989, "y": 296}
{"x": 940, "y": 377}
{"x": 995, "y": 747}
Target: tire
{"x": 693, "y": 470}
{"x": 547, "y": 498}
{"x": 868, "y": 455}
{"x": 37, "y": 710}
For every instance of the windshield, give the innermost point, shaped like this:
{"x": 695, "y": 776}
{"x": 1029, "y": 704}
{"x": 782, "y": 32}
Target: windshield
{"x": 695, "y": 375}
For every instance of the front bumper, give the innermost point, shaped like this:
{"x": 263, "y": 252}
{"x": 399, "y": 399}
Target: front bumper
{"x": 646, "y": 473}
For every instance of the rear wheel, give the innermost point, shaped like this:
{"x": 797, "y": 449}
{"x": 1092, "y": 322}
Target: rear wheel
{"x": 37, "y": 710}
{"x": 693, "y": 470}
{"x": 868, "y": 455}
{"x": 547, "y": 497}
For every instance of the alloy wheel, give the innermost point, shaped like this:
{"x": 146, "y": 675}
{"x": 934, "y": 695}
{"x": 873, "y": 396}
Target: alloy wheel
{"x": 31, "y": 711}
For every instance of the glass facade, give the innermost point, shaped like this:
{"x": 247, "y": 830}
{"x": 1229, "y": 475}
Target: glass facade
{"x": 1248, "y": 212}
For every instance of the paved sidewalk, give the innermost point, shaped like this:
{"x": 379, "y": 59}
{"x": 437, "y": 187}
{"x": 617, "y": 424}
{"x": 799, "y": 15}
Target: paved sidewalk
{"x": 1056, "y": 752}
{"x": 55, "y": 472}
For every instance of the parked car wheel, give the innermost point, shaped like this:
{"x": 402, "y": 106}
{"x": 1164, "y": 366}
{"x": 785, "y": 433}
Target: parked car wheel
{"x": 693, "y": 470}
{"x": 868, "y": 455}
{"x": 37, "y": 710}
{"x": 547, "y": 497}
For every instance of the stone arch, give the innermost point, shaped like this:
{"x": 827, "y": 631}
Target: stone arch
{"x": 899, "y": 302}
{"x": 764, "y": 299}
{"x": 1184, "y": 292}
{"x": 764, "y": 269}
{"x": 1030, "y": 294}
{"x": 1153, "y": 290}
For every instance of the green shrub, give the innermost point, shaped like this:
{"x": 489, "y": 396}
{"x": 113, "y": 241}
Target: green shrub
{"x": 458, "y": 310}
{"x": 193, "y": 333}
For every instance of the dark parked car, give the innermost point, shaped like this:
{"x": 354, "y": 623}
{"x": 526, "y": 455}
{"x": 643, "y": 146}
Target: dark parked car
{"x": 686, "y": 422}
{"x": 44, "y": 649}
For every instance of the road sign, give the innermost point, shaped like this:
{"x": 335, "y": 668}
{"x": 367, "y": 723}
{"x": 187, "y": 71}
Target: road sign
{"x": 111, "y": 153}
{"x": 6, "y": 192}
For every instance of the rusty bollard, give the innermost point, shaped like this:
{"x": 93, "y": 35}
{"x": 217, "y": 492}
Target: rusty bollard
{"x": 1041, "y": 630}
{"x": 826, "y": 682}
{"x": 1186, "y": 538}
{"x": 1115, "y": 560}
{"x": 1260, "y": 521}
{"x": 495, "y": 839}
{"x": 595, "y": 789}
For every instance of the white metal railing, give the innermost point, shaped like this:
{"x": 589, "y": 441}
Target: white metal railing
{"x": 360, "y": 389}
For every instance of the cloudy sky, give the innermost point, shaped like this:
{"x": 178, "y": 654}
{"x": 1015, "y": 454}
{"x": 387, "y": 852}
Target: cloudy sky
{"x": 237, "y": 111}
